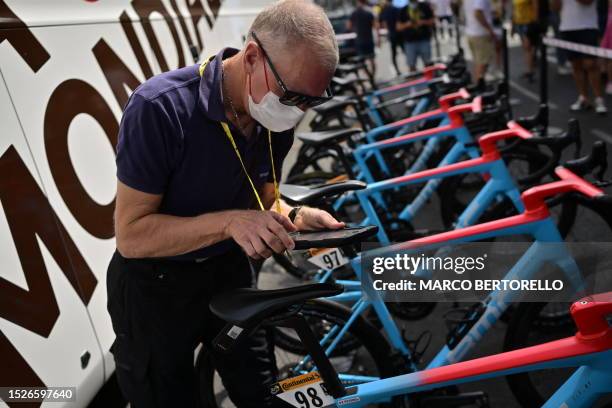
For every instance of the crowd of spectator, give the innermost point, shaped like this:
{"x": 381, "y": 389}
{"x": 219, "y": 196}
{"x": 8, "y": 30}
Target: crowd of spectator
{"x": 412, "y": 25}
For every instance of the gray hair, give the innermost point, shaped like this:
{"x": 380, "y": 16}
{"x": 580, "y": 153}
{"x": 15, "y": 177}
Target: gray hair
{"x": 290, "y": 24}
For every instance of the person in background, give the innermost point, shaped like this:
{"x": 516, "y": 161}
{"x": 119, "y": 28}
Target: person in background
{"x": 554, "y": 18}
{"x": 444, "y": 15}
{"x": 482, "y": 39}
{"x": 415, "y": 22}
{"x": 579, "y": 25}
{"x": 606, "y": 42}
{"x": 387, "y": 19}
{"x": 525, "y": 20}
{"x": 362, "y": 23}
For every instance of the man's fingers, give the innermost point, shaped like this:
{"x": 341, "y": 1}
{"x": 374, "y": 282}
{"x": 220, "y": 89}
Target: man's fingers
{"x": 273, "y": 241}
{"x": 280, "y": 232}
{"x": 284, "y": 221}
{"x": 326, "y": 220}
{"x": 261, "y": 248}
{"x": 248, "y": 248}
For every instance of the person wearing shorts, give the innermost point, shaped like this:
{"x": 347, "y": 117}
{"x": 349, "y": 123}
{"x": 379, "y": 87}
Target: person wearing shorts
{"x": 444, "y": 14}
{"x": 481, "y": 37}
{"x": 525, "y": 20}
{"x": 415, "y": 23}
{"x": 606, "y": 42}
{"x": 579, "y": 25}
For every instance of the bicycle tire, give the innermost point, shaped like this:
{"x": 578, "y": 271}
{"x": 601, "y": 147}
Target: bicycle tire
{"x": 373, "y": 342}
{"x": 522, "y": 322}
{"x": 451, "y": 205}
{"x": 530, "y": 317}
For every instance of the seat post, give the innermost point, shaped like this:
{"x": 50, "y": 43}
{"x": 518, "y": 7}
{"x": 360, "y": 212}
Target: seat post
{"x": 347, "y": 166}
{"x": 311, "y": 344}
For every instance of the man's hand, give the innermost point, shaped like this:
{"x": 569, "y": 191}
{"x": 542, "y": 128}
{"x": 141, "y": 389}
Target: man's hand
{"x": 260, "y": 232}
{"x": 314, "y": 219}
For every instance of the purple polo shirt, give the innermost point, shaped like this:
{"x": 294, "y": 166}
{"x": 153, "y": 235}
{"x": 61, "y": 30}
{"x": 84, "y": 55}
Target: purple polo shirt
{"x": 171, "y": 143}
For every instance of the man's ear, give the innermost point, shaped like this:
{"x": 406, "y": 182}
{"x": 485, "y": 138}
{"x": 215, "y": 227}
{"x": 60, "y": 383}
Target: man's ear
{"x": 251, "y": 57}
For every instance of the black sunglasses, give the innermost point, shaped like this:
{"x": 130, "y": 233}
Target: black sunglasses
{"x": 291, "y": 98}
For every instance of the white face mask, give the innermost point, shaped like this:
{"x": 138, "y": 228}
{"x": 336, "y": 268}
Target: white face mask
{"x": 274, "y": 115}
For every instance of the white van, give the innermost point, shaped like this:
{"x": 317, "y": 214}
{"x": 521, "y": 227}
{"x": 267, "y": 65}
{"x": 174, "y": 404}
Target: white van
{"x": 67, "y": 68}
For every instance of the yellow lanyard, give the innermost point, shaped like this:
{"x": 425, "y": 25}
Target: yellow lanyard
{"x": 228, "y": 133}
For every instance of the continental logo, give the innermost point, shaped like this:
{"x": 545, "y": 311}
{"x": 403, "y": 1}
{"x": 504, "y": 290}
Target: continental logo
{"x": 296, "y": 382}
{"x": 348, "y": 401}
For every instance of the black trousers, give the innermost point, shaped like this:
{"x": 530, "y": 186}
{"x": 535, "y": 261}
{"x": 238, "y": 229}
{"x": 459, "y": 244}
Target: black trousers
{"x": 159, "y": 310}
{"x": 395, "y": 42}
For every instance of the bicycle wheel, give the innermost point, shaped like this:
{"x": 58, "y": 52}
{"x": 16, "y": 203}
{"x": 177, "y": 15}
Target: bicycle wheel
{"x": 536, "y": 323}
{"x": 370, "y": 355}
{"x": 457, "y": 192}
{"x": 534, "y": 388}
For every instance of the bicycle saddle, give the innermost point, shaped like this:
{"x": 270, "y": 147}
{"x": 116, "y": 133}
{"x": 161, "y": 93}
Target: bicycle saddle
{"x": 337, "y": 103}
{"x": 247, "y": 307}
{"x": 348, "y": 67}
{"x": 306, "y": 195}
{"x": 344, "y": 81}
{"x": 327, "y": 136}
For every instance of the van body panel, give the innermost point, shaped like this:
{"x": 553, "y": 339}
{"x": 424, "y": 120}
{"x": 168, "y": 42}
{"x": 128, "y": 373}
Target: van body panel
{"x": 67, "y": 71}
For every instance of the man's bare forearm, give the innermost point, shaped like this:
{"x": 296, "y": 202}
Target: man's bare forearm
{"x": 160, "y": 235}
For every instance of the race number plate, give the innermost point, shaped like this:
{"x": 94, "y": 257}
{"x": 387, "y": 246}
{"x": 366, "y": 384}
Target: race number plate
{"x": 329, "y": 259}
{"x": 304, "y": 391}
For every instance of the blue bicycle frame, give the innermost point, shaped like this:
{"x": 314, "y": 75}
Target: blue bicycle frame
{"x": 375, "y": 97}
{"x": 451, "y": 126}
{"x": 535, "y": 223}
{"x": 445, "y": 114}
{"x": 590, "y": 380}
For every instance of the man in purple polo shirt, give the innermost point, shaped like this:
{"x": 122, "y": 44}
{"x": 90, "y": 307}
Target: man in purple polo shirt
{"x": 200, "y": 149}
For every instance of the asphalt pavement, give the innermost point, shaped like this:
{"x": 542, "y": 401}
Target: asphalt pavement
{"x": 525, "y": 98}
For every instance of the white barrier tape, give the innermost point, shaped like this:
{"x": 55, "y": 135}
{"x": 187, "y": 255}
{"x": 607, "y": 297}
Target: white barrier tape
{"x": 352, "y": 36}
{"x": 345, "y": 36}
{"x": 585, "y": 49}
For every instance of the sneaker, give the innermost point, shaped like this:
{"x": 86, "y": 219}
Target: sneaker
{"x": 600, "y": 106}
{"x": 609, "y": 88}
{"x": 580, "y": 105}
{"x": 563, "y": 70}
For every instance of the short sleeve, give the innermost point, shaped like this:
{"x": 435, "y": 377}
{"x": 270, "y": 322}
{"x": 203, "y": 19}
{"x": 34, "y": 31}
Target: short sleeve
{"x": 427, "y": 11}
{"x": 281, "y": 144}
{"x": 479, "y": 4}
{"x": 147, "y": 146}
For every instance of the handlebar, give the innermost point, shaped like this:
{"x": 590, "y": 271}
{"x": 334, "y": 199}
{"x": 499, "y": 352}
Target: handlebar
{"x": 446, "y": 100}
{"x": 430, "y": 71}
{"x": 556, "y": 145}
{"x": 535, "y": 196}
{"x": 488, "y": 142}
{"x": 454, "y": 113}
{"x": 537, "y": 120}
{"x": 597, "y": 159}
